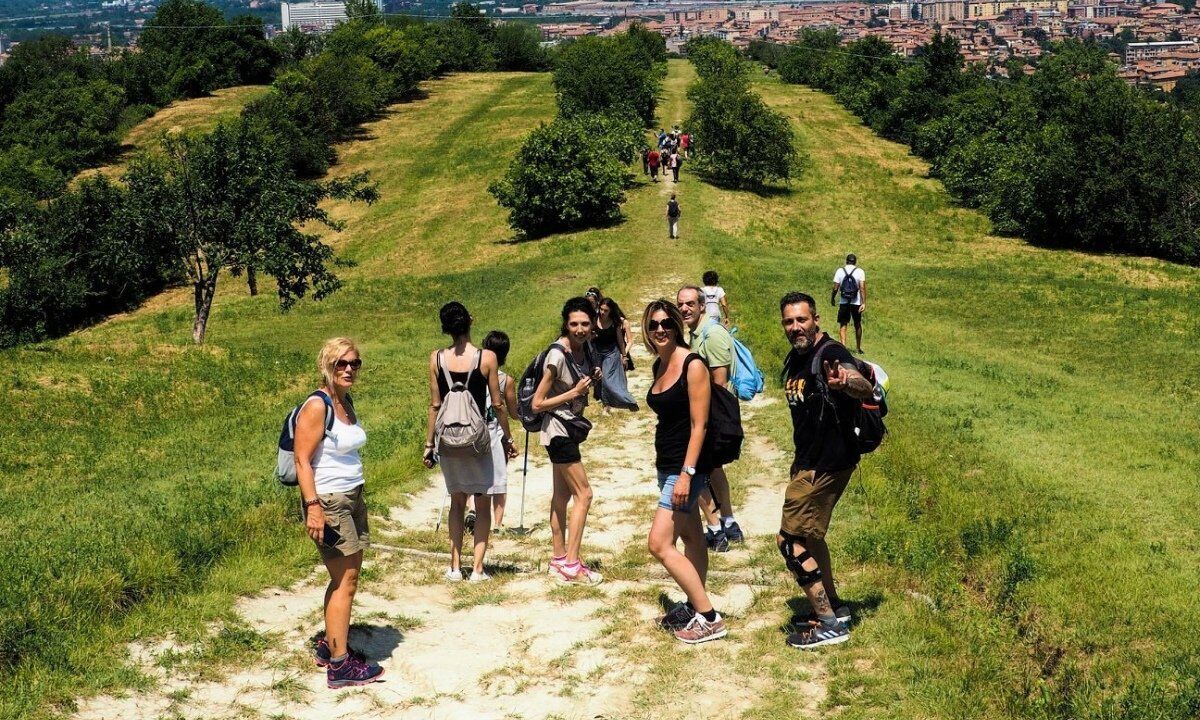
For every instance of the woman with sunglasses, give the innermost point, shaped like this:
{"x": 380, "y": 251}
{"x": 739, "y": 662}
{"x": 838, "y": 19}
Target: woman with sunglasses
{"x": 680, "y": 396}
{"x": 330, "y": 474}
{"x": 561, "y": 396}
{"x": 466, "y": 474}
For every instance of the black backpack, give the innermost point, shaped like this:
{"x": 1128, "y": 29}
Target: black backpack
{"x": 849, "y": 284}
{"x": 869, "y": 429}
{"x": 530, "y": 420}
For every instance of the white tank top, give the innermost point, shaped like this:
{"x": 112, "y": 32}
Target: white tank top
{"x": 337, "y": 466}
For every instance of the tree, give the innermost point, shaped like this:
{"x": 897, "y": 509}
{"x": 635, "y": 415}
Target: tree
{"x": 68, "y": 122}
{"x": 227, "y": 201}
{"x": 542, "y": 198}
{"x": 366, "y": 10}
{"x": 604, "y": 75}
{"x": 519, "y": 47}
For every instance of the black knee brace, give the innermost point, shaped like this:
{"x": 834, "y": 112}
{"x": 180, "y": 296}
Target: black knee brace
{"x": 795, "y": 563}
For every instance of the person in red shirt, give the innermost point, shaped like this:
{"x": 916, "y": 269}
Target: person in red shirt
{"x": 685, "y": 142}
{"x": 655, "y": 160}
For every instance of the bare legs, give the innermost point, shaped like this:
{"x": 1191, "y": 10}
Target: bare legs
{"x": 339, "y": 597}
{"x": 816, "y": 589}
{"x": 483, "y": 526}
{"x": 498, "y": 502}
{"x": 820, "y": 553}
{"x": 690, "y": 568}
{"x": 570, "y": 484}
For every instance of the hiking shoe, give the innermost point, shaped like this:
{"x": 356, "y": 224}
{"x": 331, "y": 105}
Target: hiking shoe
{"x": 322, "y": 656}
{"x": 734, "y": 533}
{"x": 819, "y": 635}
{"x": 478, "y": 577}
{"x": 469, "y": 522}
{"x": 578, "y": 575}
{"x": 699, "y": 630}
{"x": 352, "y": 672}
{"x": 843, "y": 613}
{"x": 453, "y": 575}
{"x": 555, "y": 563}
{"x": 677, "y": 619}
{"x": 717, "y": 540}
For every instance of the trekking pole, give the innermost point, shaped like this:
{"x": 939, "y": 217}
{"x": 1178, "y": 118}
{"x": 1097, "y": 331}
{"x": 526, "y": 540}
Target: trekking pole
{"x": 441, "y": 511}
{"x": 521, "y": 529}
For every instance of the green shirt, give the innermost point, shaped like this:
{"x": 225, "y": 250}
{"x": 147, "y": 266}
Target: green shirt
{"x": 714, "y": 344}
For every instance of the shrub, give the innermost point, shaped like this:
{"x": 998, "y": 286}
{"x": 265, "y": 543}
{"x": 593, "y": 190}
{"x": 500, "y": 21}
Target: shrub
{"x": 596, "y": 75}
{"x": 564, "y": 177}
{"x": 519, "y": 47}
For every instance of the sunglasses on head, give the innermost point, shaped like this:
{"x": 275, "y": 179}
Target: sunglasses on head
{"x": 665, "y": 324}
{"x": 354, "y": 364}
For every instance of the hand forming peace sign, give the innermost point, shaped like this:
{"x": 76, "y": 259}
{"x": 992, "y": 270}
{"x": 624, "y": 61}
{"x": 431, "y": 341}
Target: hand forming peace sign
{"x": 835, "y": 376}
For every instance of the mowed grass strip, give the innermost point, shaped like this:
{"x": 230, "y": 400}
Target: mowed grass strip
{"x": 137, "y": 466}
{"x": 1026, "y": 539}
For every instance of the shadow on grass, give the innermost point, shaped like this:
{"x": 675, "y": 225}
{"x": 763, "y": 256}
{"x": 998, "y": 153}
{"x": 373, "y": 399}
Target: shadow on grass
{"x": 803, "y": 614}
{"x": 520, "y": 238}
{"x": 762, "y": 191}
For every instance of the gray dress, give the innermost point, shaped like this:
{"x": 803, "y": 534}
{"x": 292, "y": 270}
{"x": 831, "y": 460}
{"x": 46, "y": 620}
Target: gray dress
{"x": 614, "y": 388}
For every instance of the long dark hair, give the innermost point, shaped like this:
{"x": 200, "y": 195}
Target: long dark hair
{"x": 614, "y": 311}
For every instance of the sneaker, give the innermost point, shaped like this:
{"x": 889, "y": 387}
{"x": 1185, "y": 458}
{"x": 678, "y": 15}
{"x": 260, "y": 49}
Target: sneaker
{"x": 555, "y": 563}
{"x": 478, "y": 577}
{"x": 717, "y": 540}
{"x": 579, "y": 575}
{"x": 699, "y": 630}
{"x": 734, "y": 532}
{"x": 677, "y": 619}
{"x": 352, "y": 672}
{"x": 453, "y": 575}
{"x": 469, "y": 522}
{"x": 322, "y": 655}
{"x": 818, "y": 635}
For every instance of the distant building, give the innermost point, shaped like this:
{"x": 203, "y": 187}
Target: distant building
{"x": 315, "y": 15}
{"x": 1142, "y": 50}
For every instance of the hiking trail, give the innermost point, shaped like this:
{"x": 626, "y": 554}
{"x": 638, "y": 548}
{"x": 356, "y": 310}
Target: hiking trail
{"x": 522, "y": 645}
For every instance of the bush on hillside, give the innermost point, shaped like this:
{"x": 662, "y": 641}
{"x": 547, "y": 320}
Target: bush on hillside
{"x": 713, "y": 57}
{"x": 352, "y": 87}
{"x": 519, "y": 47}
{"x": 70, "y": 123}
{"x": 595, "y": 75}
{"x": 564, "y": 177}
{"x": 297, "y": 120}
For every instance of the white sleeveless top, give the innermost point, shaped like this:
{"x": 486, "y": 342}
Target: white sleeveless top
{"x": 337, "y": 466}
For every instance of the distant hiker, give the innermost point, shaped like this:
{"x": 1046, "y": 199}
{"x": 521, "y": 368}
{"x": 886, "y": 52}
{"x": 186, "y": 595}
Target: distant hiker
{"x": 676, "y": 163}
{"x": 594, "y": 296}
{"x": 464, "y": 384}
{"x": 850, "y": 294}
{"x": 329, "y": 471}
{"x": 654, "y": 159}
{"x": 561, "y": 397}
{"x": 611, "y": 344}
{"x": 498, "y": 342}
{"x": 711, "y": 341}
{"x": 645, "y": 160}
{"x": 822, "y": 405}
{"x": 673, "y": 214}
{"x": 685, "y": 142}
{"x": 716, "y": 302}
{"x": 662, "y": 138}
{"x": 679, "y": 397}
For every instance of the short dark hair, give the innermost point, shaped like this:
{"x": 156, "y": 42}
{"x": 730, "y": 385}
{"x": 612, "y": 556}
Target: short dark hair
{"x": 456, "y": 320}
{"x": 497, "y": 342}
{"x": 851, "y": 259}
{"x": 710, "y": 277}
{"x": 574, "y": 305}
{"x": 796, "y": 297}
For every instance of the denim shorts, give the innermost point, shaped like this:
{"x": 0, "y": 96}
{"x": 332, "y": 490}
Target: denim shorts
{"x": 666, "y": 486}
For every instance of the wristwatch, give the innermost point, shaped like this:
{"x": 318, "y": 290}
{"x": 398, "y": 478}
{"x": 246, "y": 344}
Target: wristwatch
{"x": 688, "y": 470}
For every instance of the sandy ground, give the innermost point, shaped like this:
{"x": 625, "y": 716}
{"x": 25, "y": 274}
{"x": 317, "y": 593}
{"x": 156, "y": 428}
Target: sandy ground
{"x": 521, "y": 646}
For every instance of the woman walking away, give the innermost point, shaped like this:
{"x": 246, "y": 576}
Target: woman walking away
{"x": 612, "y": 349}
{"x": 673, "y": 213}
{"x": 676, "y": 163}
{"x": 716, "y": 302}
{"x": 654, "y": 159}
{"x": 462, "y": 381}
{"x": 561, "y": 396}
{"x": 680, "y": 397}
{"x": 497, "y": 342}
{"x": 330, "y": 475}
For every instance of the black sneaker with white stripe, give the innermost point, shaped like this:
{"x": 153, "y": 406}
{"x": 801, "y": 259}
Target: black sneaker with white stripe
{"x": 819, "y": 635}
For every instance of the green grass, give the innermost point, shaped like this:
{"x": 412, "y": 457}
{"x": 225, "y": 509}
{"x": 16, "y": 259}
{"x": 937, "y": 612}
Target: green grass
{"x": 1037, "y": 487}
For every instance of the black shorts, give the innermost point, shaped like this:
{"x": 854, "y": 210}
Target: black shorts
{"x": 847, "y": 311}
{"x": 562, "y": 451}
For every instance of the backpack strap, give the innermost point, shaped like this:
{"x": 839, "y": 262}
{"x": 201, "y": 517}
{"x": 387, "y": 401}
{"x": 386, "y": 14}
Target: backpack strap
{"x": 329, "y": 413}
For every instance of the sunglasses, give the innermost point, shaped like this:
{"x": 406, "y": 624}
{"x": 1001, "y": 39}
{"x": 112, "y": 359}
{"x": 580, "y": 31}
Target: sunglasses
{"x": 655, "y": 325}
{"x": 354, "y": 364}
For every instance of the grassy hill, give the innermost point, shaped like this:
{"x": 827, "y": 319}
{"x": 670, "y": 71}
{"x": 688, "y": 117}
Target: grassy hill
{"x": 1024, "y": 544}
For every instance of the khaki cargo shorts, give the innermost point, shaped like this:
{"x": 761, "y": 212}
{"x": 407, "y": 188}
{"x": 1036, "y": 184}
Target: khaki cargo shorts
{"x": 345, "y": 524}
{"x": 809, "y": 500}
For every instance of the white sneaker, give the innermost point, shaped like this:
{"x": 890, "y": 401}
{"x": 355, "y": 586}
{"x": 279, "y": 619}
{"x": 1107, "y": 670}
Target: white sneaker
{"x": 453, "y": 575}
{"x": 478, "y": 577}
{"x": 579, "y": 575}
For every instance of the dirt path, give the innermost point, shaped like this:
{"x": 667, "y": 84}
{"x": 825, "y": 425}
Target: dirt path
{"x": 521, "y": 646}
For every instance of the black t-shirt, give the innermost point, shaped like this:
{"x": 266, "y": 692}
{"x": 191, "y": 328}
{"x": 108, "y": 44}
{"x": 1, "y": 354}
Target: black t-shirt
{"x": 823, "y": 434}
{"x": 674, "y": 430}
{"x": 672, "y": 209}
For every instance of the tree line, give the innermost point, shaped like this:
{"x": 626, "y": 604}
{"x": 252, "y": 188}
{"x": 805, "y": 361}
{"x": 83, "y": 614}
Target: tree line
{"x": 738, "y": 141}
{"x": 1068, "y": 155}
{"x": 202, "y": 204}
{"x": 573, "y": 171}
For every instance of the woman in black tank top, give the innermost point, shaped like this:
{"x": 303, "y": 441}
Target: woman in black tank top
{"x": 465, "y": 474}
{"x": 680, "y": 397}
